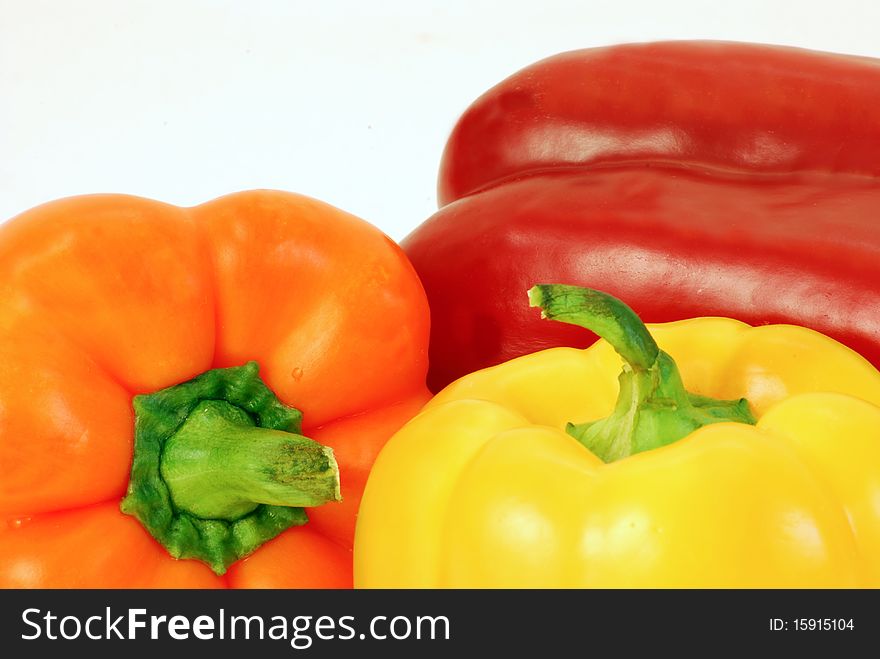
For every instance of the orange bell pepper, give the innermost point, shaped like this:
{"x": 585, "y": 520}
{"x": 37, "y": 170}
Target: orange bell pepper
{"x": 107, "y": 297}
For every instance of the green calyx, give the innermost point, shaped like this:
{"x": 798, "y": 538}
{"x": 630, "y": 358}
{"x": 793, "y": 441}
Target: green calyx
{"x": 653, "y": 407}
{"x": 220, "y": 467}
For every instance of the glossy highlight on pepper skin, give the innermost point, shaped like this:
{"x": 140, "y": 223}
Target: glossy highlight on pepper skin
{"x": 484, "y": 488}
{"x": 687, "y": 178}
{"x": 104, "y": 297}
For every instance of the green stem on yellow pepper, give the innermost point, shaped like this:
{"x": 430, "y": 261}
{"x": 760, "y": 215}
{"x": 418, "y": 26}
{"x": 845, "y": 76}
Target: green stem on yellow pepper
{"x": 653, "y": 407}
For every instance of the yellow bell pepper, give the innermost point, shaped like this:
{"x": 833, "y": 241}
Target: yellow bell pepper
{"x": 767, "y": 474}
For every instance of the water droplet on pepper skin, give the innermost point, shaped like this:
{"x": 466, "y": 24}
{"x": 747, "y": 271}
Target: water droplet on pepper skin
{"x": 18, "y": 522}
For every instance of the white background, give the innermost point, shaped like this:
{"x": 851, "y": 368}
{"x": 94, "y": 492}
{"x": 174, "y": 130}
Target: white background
{"x": 350, "y": 102}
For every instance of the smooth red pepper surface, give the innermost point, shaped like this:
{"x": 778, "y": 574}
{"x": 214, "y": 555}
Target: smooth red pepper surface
{"x": 690, "y": 178}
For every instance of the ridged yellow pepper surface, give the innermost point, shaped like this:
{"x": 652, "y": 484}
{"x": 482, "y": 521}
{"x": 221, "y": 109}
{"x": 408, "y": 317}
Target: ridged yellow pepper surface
{"x": 735, "y": 456}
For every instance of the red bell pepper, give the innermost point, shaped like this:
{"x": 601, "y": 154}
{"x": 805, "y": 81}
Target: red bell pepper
{"x": 689, "y": 178}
